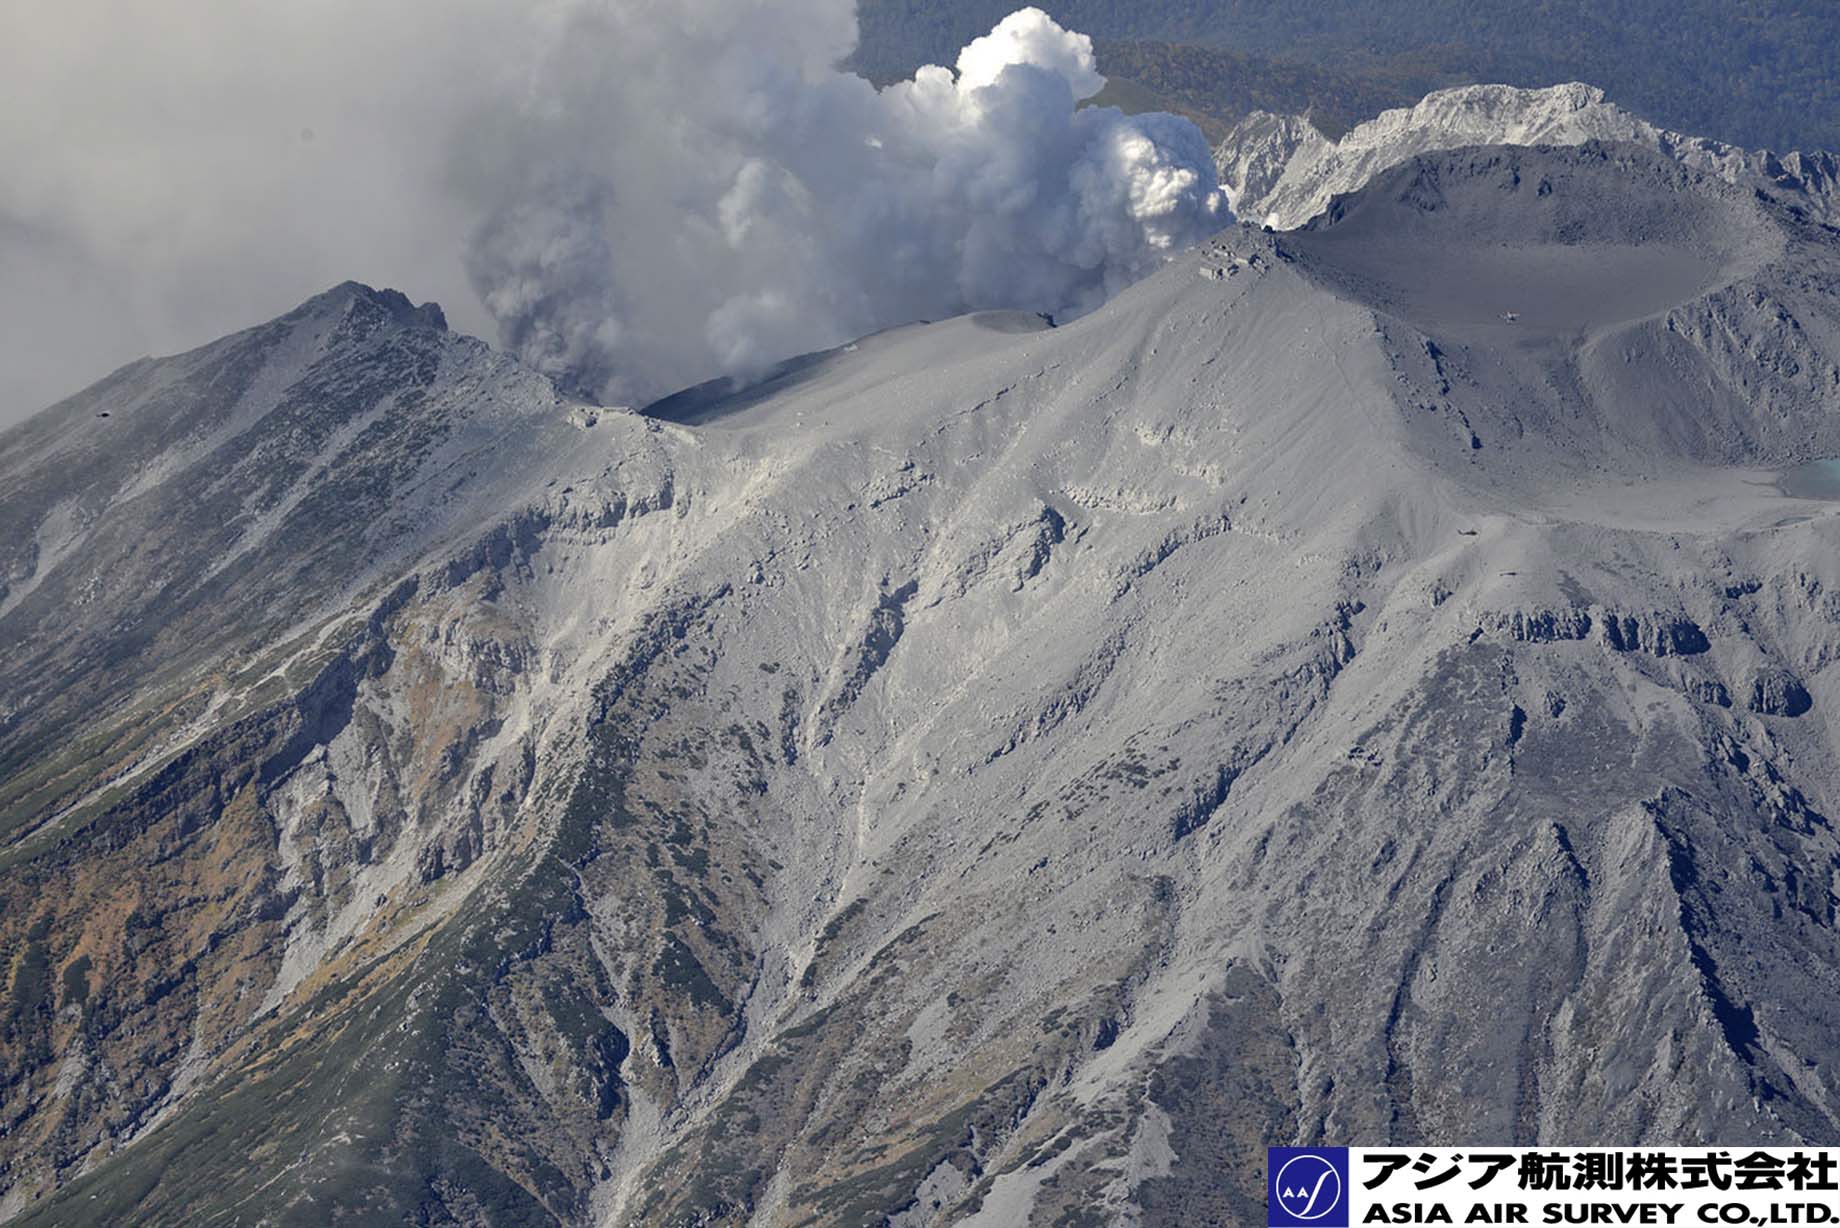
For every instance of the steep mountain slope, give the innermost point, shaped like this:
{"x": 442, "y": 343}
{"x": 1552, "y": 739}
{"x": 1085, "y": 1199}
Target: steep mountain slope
{"x": 988, "y": 774}
{"x": 1281, "y": 170}
{"x": 175, "y": 516}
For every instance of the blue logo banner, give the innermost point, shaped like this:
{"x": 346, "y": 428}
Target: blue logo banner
{"x": 1306, "y": 1187}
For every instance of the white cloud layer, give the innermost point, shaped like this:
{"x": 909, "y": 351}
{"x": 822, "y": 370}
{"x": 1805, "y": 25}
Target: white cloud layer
{"x": 637, "y": 193}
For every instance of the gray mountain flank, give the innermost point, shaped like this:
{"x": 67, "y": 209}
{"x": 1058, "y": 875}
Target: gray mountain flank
{"x": 1281, "y": 171}
{"x": 986, "y": 775}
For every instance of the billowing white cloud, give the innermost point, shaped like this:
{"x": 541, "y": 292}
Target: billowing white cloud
{"x": 782, "y": 205}
{"x": 637, "y": 193}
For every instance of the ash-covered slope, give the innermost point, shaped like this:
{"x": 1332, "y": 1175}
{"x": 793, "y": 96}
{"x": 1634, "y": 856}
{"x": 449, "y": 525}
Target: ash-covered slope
{"x": 186, "y": 512}
{"x": 991, "y": 774}
{"x": 1279, "y": 170}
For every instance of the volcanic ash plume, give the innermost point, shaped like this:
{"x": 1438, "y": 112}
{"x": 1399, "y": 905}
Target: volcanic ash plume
{"x": 643, "y": 193}
{"x": 696, "y": 189}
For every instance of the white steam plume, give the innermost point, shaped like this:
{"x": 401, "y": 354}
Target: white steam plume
{"x": 723, "y": 196}
{"x": 644, "y": 193}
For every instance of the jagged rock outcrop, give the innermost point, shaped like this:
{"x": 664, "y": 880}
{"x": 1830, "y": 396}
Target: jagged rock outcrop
{"x": 1777, "y": 692}
{"x": 1658, "y": 634}
{"x": 1661, "y": 635}
{"x": 1538, "y": 626}
{"x": 1281, "y": 171}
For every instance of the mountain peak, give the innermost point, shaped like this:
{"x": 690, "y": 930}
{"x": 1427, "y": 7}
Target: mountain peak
{"x": 392, "y": 303}
{"x": 974, "y": 737}
{"x": 1284, "y": 173}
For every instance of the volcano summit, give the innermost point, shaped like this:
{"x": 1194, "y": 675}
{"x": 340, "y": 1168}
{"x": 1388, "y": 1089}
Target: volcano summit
{"x": 1362, "y": 683}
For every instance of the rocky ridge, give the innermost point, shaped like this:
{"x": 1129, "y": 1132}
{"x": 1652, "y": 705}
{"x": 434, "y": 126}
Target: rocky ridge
{"x": 988, "y": 774}
{"x": 1279, "y": 170}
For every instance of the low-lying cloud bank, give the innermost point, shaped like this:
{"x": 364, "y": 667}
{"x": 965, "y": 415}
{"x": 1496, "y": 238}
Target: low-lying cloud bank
{"x": 637, "y": 193}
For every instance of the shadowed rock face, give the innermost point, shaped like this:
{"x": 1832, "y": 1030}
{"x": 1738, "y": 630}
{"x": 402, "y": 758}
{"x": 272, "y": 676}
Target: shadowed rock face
{"x": 985, "y": 776}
